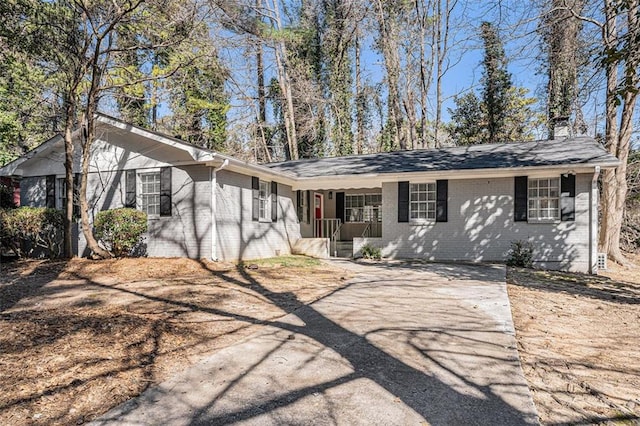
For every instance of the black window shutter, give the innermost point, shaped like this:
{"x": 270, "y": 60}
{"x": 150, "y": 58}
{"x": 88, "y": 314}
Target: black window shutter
{"x": 340, "y": 206}
{"x": 130, "y": 188}
{"x": 76, "y": 195}
{"x": 51, "y": 191}
{"x": 308, "y": 206}
{"x": 403, "y": 201}
{"x": 299, "y": 205}
{"x": 442, "y": 195}
{"x": 165, "y": 191}
{"x": 274, "y": 201}
{"x": 520, "y": 204}
{"x": 568, "y": 197}
{"x": 255, "y": 204}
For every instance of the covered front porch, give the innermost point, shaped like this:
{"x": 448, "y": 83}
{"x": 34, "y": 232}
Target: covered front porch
{"x": 340, "y": 215}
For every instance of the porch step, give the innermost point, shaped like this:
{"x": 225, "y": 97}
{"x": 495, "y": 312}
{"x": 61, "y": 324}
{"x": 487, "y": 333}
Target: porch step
{"x": 344, "y": 249}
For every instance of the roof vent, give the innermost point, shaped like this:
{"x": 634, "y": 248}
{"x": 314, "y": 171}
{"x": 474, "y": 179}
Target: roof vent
{"x": 602, "y": 261}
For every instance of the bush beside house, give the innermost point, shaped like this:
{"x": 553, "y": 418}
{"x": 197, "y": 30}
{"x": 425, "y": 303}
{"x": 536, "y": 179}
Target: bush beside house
{"x": 120, "y": 230}
{"x": 32, "y": 231}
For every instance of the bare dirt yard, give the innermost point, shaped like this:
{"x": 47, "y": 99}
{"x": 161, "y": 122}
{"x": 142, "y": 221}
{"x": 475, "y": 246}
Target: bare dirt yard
{"x": 579, "y": 343}
{"x": 80, "y": 337}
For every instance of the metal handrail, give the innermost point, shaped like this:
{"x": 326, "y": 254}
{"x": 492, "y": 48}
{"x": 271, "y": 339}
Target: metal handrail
{"x": 370, "y": 228}
{"x": 365, "y": 233}
{"x": 324, "y": 228}
{"x": 333, "y": 239}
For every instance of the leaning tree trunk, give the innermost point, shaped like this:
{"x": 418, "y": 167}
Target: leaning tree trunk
{"x": 88, "y": 135}
{"x": 618, "y": 139}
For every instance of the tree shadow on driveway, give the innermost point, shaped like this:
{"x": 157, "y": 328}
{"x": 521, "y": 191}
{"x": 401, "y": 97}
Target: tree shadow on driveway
{"x": 339, "y": 360}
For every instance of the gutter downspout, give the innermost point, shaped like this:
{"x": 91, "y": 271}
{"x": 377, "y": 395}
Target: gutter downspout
{"x": 214, "y": 227}
{"x": 593, "y": 223}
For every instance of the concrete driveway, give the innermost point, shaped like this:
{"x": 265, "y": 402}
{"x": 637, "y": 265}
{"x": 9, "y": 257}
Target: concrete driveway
{"x": 402, "y": 344}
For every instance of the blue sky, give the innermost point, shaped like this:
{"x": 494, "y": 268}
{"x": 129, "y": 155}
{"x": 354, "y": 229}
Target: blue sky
{"x": 517, "y": 24}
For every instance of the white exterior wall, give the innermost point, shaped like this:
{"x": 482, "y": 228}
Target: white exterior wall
{"x": 480, "y": 227}
{"x": 186, "y": 233}
{"x": 239, "y": 237}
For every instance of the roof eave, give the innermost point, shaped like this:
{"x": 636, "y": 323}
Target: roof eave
{"x": 13, "y": 168}
{"x": 200, "y": 155}
{"x": 373, "y": 180}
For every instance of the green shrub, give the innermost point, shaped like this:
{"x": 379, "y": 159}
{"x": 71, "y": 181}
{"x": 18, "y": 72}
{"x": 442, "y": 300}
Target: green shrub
{"x": 26, "y": 229}
{"x": 120, "y": 230}
{"x": 371, "y": 252}
{"x": 6, "y": 197}
{"x": 520, "y": 254}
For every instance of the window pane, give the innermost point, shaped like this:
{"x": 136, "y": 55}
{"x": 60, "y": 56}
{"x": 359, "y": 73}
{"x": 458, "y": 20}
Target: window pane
{"x": 263, "y": 200}
{"x": 544, "y": 198}
{"x": 422, "y": 201}
{"x": 150, "y": 193}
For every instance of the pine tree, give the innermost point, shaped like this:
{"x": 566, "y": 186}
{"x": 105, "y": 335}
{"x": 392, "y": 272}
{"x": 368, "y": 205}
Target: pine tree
{"x": 504, "y": 112}
{"x": 496, "y": 82}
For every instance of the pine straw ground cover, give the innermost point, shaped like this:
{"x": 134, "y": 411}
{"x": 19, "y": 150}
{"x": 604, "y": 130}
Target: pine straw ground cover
{"x": 579, "y": 342}
{"x": 80, "y": 337}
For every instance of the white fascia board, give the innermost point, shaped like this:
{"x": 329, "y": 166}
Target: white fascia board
{"x": 262, "y": 172}
{"x": 375, "y": 180}
{"x": 199, "y": 155}
{"x": 13, "y": 168}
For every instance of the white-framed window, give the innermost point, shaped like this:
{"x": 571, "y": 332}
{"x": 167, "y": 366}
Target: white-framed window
{"x": 544, "y": 199}
{"x": 422, "y": 201}
{"x": 150, "y": 193}
{"x": 363, "y": 207}
{"x": 263, "y": 201}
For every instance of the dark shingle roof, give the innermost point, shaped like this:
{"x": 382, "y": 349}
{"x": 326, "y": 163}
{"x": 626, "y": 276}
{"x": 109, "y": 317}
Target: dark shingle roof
{"x": 580, "y": 151}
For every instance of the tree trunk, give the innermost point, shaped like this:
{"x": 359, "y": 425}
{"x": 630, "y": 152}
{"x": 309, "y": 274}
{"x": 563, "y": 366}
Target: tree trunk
{"x": 262, "y": 98}
{"x": 442, "y": 49}
{"x": 562, "y": 29}
{"x": 360, "y": 102}
{"x": 389, "y": 39}
{"x": 285, "y": 86}
{"x": 618, "y": 139}
{"x": 421, "y": 13}
{"x": 88, "y": 133}
{"x": 68, "y": 169}
{"x": 87, "y": 230}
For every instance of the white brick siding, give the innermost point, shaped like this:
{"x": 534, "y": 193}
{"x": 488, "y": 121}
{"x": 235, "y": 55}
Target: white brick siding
{"x": 239, "y": 237}
{"x": 480, "y": 227}
{"x": 186, "y": 233}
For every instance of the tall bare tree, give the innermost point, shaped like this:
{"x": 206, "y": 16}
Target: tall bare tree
{"x": 621, "y": 60}
{"x": 388, "y": 17}
{"x": 561, "y": 29}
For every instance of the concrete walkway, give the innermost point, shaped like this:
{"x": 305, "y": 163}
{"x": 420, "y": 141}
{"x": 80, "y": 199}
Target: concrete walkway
{"x": 402, "y": 344}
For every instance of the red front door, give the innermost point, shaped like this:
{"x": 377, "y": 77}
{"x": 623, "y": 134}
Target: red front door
{"x": 317, "y": 203}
